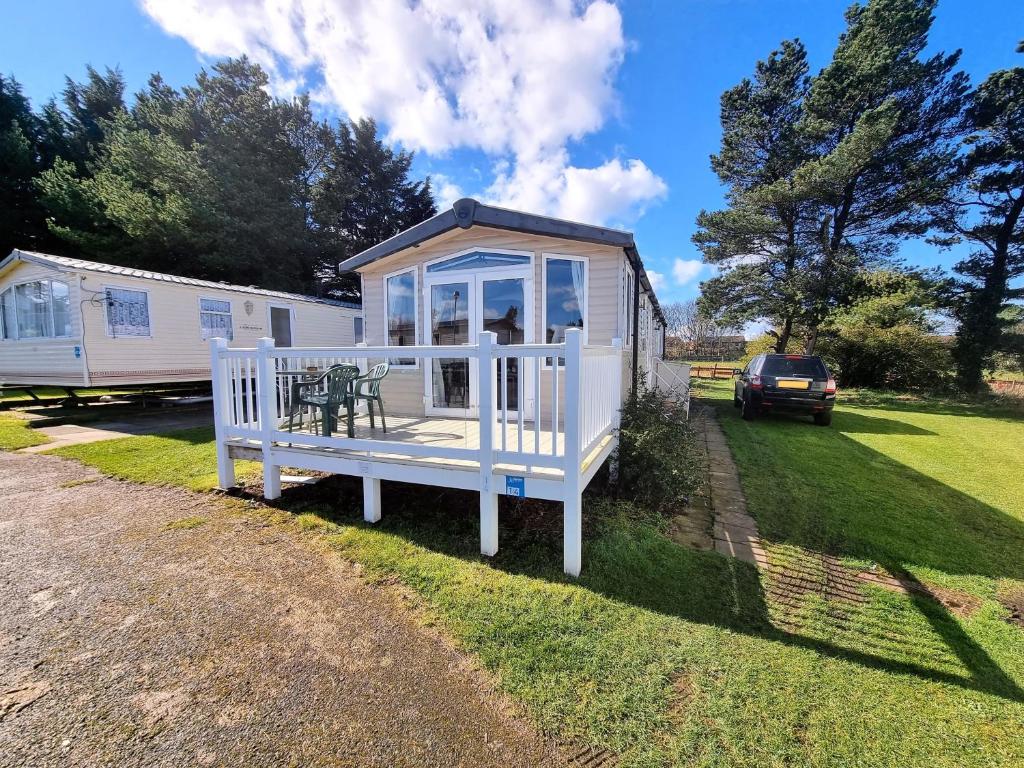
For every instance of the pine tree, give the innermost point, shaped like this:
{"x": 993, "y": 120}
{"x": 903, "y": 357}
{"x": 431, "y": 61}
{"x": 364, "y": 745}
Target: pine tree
{"x": 756, "y": 241}
{"x": 884, "y": 124}
{"x": 21, "y": 217}
{"x": 364, "y": 196}
{"x": 986, "y": 209}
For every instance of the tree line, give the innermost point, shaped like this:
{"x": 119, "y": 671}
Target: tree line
{"x": 827, "y": 174}
{"x": 218, "y": 180}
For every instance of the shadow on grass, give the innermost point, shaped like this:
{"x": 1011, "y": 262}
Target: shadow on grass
{"x": 630, "y": 562}
{"x": 825, "y": 492}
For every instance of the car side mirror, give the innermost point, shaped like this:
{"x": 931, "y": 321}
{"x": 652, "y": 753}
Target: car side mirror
{"x": 737, "y": 372}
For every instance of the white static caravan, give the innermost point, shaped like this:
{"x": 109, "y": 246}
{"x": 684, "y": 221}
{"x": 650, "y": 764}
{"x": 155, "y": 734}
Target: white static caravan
{"x": 512, "y": 341}
{"x": 73, "y": 323}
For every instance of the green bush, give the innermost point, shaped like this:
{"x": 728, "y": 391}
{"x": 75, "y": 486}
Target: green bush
{"x": 659, "y": 464}
{"x": 902, "y": 357}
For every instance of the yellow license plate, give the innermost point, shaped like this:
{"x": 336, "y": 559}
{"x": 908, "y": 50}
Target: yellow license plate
{"x": 793, "y": 384}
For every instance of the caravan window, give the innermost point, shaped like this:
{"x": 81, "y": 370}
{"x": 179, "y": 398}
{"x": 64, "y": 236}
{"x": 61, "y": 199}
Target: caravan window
{"x": 357, "y": 329}
{"x": 565, "y": 298}
{"x": 215, "y": 319}
{"x": 400, "y": 292}
{"x": 127, "y": 312}
{"x": 8, "y": 322}
{"x": 36, "y": 310}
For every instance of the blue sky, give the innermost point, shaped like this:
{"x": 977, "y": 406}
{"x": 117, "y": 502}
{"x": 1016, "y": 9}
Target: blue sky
{"x": 599, "y": 112}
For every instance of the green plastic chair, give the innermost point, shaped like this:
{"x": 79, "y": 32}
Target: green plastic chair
{"x": 367, "y": 388}
{"x": 326, "y": 394}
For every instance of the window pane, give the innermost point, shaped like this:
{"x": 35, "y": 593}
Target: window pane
{"x": 479, "y": 260}
{"x": 564, "y": 299}
{"x": 61, "y": 297}
{"x": 810, "y": 367}
{"x": 215, "y": 319}
{"x": 357, "y": 328}
{"x": 8, "y": 321}
{"x": 127, "y": 312}
{"x": 215, "y": 305}
{"x": 33, "y": 310}
{"x": 401, "y": 299}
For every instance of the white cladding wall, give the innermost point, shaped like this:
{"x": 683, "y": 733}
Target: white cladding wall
{"x": 175, "y": 350}
{"x": 404, "y": 390}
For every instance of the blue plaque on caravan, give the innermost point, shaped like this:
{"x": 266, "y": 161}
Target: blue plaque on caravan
{"x": 515, "y": 485}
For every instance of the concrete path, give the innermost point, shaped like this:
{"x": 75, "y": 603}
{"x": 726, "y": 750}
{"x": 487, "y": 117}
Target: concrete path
{"x": 144, "y": 626}
{"x": 140, "y": 424}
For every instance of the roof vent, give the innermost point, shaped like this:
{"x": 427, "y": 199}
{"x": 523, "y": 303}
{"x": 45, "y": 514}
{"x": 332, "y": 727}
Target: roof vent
{"x": 464, "y": 210}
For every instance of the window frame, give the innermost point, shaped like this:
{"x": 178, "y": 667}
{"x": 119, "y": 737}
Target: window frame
{"x": 529, "y": 255}
{"x": 362, "y": 330}
{"x": 393, "y": 365}
{"x": 106, "y": 312}
{"x": 585, "y": 310}
{"x": 230, "y": 313}
{"x": 17, "y": 337}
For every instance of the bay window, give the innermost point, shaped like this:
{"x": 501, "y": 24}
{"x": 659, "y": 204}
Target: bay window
{"x": 402, "y": 321}
{"x": 37, "y": 310}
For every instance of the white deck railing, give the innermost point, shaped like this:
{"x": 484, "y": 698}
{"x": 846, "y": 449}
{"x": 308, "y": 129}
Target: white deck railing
{"x": 575, "y": 407}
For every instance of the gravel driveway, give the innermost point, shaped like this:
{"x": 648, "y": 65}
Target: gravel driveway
{"x": 123, "y": 642}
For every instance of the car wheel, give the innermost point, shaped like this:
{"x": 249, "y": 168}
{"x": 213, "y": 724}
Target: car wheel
{"x": 748, "y": 412}
{"x": 823, "y": 419}
{"x": 737, "y": 401}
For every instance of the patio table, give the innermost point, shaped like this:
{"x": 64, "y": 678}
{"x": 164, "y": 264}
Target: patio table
{"x": 304, "y": 376}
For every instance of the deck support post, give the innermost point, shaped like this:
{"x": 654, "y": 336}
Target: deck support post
{"x": 371, "y": 499}
{"x": 488, "y": 384}
{"x": 266, "y": 390}
{"x": 572, "y": 515}
{"x": 221, "y": 409}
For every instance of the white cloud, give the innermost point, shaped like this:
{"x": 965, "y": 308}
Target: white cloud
{"x": 686, "y": 270}
{"x": 517, "y": 80}
{"x": 446, "y": 191}
{"x": 657, "y": 280}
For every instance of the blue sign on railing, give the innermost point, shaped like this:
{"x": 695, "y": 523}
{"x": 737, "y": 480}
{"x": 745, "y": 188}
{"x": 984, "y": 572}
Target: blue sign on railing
{"x": 515, "y": 485}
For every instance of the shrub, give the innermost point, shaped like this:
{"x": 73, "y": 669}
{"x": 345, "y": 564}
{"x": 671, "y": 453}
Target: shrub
{"x": 902, "y": 357}
{"x": 659, "y": 464}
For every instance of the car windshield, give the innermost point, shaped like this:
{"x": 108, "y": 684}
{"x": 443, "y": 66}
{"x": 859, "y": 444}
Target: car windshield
{"x": 807, "y": 367}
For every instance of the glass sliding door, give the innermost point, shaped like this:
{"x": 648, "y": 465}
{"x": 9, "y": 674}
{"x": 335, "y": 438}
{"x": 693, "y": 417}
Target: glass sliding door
{"x": 449, "y": 307}
{"x": 503, "y": 311}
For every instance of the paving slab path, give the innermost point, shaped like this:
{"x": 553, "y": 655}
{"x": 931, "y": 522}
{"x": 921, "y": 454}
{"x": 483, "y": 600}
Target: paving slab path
{"x": 62, "y": 435}
{"x": 733, "y": 531}
{"x": 125, "y": 642}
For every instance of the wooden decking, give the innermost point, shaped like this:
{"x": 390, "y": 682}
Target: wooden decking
{"x": 436, "y": 431}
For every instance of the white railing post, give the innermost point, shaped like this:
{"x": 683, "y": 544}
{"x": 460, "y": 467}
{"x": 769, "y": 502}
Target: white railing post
{"x": 487, "y": 385}
{"x": 221, "y": 410}
{"x": 266, "y": 387}
{"x": 572, "y": 516}
{"x": 613, "y": 463}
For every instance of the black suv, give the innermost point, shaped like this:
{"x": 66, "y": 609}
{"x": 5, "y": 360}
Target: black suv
{"x": 798, "y": 383}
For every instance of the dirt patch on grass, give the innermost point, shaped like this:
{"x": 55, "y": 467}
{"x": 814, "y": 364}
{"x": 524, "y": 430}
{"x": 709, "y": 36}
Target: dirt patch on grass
{"x": 1013, "y": 601}
{"x": 681, "y": 697}
{"x": 956, "y": 602}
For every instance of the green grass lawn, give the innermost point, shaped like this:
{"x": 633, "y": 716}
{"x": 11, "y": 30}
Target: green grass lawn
{"x": 186, "y": 458}
{"x": 670, "y": 656}
{"x": 15, "y": 433}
